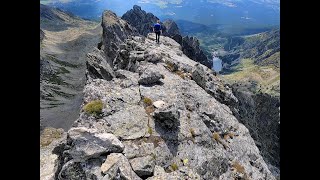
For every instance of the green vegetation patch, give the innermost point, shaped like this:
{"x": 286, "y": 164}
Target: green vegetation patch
{"x": 94, "y": 107}
{"x": 147, "y": 101}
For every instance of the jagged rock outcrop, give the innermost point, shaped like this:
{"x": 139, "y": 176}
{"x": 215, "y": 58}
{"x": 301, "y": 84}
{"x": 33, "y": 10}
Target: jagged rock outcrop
{"x": 171, "y": 28}
{"x": 140, "y": 19}
{"x": 97, "y": 67}
{"x": 172, "y": 31}
{"x": 191, "y": 48}
{"x": 188, "y": 135}
{"x": 143, "y": 22}
{"x": 115, "y": 31}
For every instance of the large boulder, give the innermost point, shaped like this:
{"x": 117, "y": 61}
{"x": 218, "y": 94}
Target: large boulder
{"x": 72, "y": 171}
{"x": 143, "y": 166}
{"x": 167, "y": 117}
{"x": 87, "y": 143}
{"x": 128, "y": 124}
{"x": 150, "y": 76}
{"x": 133, "y": 150}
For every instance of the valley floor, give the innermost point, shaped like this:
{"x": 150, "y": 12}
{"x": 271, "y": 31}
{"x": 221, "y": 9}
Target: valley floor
{"x": 264, "y": 79}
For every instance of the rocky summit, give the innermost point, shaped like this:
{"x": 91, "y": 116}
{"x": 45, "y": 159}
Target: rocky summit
{"x": 143, "y": 22}
{"x": 151, "y": 112}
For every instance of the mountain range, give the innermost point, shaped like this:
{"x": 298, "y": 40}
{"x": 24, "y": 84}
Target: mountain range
{"x": 226, "y": 12}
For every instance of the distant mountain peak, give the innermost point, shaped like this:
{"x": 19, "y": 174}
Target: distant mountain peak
{"x": 136, "y": 8}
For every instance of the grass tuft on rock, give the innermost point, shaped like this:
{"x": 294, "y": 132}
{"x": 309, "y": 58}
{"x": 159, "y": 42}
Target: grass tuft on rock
{"x": 94, "y": 107}
{"x": 147, "y": 101}
{"x": 174, "y": 166}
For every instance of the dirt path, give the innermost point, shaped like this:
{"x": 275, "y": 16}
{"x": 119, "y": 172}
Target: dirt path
{"x": 66, "y": 50}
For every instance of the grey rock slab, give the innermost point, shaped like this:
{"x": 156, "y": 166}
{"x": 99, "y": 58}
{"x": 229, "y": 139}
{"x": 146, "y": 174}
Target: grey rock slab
{"x": 118, "y": 166}
{"x": 87, "y": 143}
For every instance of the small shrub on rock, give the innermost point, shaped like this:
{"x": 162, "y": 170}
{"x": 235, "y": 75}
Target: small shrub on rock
{"x": 94, "y": 107}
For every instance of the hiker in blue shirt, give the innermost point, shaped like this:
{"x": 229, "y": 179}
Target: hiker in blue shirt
{"x": 158, "y": 30}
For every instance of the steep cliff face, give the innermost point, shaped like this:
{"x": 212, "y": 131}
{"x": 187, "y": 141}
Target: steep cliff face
{"x": 143, "y": 22}
{"x": 253, "y": 66}
{"x": 155, "y": 114}
{"x": 260, "y": 113}
{"x": 191, "y": 47}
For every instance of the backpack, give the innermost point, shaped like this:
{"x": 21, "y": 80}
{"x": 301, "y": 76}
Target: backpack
{"x": 157, "y": 27}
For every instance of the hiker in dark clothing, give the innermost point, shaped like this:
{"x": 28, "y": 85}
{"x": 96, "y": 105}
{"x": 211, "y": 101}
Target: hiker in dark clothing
{"x": 158, "y": 30}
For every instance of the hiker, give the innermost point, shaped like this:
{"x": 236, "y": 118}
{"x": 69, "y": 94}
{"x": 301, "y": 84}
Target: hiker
{"x": 158, "y": 30}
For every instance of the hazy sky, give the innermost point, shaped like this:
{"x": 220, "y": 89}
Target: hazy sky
{"x": 164, "y": 3}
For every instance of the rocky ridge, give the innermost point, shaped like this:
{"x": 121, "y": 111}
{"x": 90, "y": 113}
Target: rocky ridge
{"x": 164, "y": 116}
{"x": 144, "y": 21}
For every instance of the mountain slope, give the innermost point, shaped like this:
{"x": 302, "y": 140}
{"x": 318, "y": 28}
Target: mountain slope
{"x": 65, "y": 42}
{"x": 153, "y": 113}
{"x": 252, "y": 67}
{"x": 254, "y": 61}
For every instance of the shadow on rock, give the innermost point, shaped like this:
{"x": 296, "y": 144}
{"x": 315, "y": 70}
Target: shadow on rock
{"x": 159, "y": 83}
{"x": 167, "y": 124}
